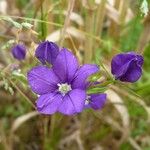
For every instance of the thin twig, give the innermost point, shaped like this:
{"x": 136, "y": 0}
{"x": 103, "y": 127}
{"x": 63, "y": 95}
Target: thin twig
{"x": 17, "y": 88}
{"x": 67, "y": 20}
{"x": 145, "y": 35}
{"x": 59, "y": 25}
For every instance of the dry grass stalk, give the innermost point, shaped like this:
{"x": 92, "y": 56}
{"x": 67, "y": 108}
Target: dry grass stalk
{"x": 145, "y": 36}
{"x": 49, "y": 6}
{"x": 22, "y": 119}
{"x": 72, "y": 31}
{"x": 135, "y": 98}
{"x": 73, "y": 17}
{"x": 113, "y": 28}
{"x": 88, "y": 51}
{"x": 125, "y": 136}
{"x": 101, "y": 10}
{"x": 115, "y": 98}
{"x": 67, "y": 20}
{"x": 124, "y": 5}
{"x": 75, "y": 136}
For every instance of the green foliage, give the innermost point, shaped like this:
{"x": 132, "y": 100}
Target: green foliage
{"x": 131, "y": 34}
{"x": 135, "y": 110}
{"x": 22, "y": 3}
{"x": 140, "y": 129}
{"x": 16, "y": 74}
{"x": 95, "y": 77}
{"x": 146, "y": 58}
{"x": 6, "y": 86}
{"x": 143, "y": 85}
{"x": 126, "y": 146}
{"x": 51, "y": 143}
{"x": 101, "y": 133}
{"x": 96, "y": 90}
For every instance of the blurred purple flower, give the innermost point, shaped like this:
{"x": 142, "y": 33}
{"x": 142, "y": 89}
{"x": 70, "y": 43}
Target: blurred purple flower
{"x": 62, "y": 88}
{"x": 127, "y": 67}
{"x": 95, "y": 101}
{"x": 47, "y": 52}
{"x": 19, "y": 51}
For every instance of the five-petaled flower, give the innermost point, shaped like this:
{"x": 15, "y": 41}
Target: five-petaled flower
{"x": 62, "y": 88}
{"x": 19, "y": 51}
{"x": 127, "y": 67}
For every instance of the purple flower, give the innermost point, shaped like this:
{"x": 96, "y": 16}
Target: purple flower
{"x": 62, "y": 88}
{"x": 95, "y": 101}
{"x": 127, "y": 67}
{"x": 47, "y": 52}
{"x": 19, "y": 51}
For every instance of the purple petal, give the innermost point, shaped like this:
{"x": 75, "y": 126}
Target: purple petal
{"x": 73, "y": 102}
{"x": 42, "y": 80}
{"x": 96, "y": 101}
{"x": 133, "y": 73}
{"x": 19, "y": 51}
{"x": 49, "y": 103}
{"x": 120, "y": 63}
{"x": 47, "y": 52}
{"x": 65, "y": 65}
{"x": 127, "y": 67}
{"x": 82, "y": 74}
{"x": 140, "y": 60}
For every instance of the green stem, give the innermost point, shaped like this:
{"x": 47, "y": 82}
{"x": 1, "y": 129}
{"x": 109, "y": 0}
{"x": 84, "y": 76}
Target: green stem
{"x": 43, "y": 25}
{"x": 108, "y": 74}
{"x": 18, "y": 89}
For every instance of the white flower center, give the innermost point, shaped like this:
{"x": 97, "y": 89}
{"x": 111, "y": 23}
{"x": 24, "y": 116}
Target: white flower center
{"x": 87, "y": 101}
{"x": 64, "y": 88}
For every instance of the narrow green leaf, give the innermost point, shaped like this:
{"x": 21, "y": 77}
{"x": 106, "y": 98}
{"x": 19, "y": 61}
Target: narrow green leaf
{"x": 96, "y": 90}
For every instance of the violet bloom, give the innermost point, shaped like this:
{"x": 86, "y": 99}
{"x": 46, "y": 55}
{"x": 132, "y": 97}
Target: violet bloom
{"x": 127, "y": 67}
{"x": 47, "y": 52}
{"x": 62, "y": 88}
{"x": 95, "y": 101}
{"x": 19, "y": 51}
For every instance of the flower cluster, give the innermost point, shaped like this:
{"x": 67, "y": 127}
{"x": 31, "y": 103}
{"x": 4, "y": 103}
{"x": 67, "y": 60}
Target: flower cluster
{"x": 63, "y": 86}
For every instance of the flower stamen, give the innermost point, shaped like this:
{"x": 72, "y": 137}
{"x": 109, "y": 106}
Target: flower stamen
{"x": 87, "y": 101}
{"x": 64, "y": 88}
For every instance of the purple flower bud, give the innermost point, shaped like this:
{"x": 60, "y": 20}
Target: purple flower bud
{"x": 127, "y": 67}
{"x": 19, "y": 51}
{"x": 47, "y": 52}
